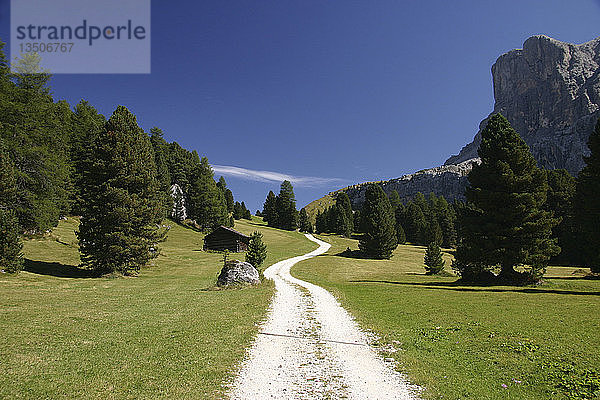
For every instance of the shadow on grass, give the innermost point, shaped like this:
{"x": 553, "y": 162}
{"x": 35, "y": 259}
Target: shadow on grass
{"x": 459, "y": 287}
{"x": 57, "y": 269}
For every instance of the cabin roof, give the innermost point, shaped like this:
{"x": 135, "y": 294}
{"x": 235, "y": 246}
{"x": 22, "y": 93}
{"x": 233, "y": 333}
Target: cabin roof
{"x": 229, "y": 230}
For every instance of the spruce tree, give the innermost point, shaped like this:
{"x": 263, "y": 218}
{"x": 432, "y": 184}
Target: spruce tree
{"x": 416, "y": 224}
{"x": 379, "y": 239}
{"x": 257, "y": 250}
{"x": 561, "y": 193}
{"x": 287, "y": 215}
{"x": 159, "y": 145}
{"x": 433, "y": 231}
{"x": 434, "y": 261}
{"x": 11, "y": 257}
{"x": 446, "y": 219}
{"x": 304, "y": 223}
{"x": 270, "y": 210}
{"x": 121, "y": 206}
{"x": 587, "y": 204}
{"x": 395, "y": 199}
{"x": 343, "y": 201}
{"x": 87, "y": 124}
{"x": 504, "y": 223}
{"x": 340, "y": 220}
{"x": 400, "y": 235}
{"x": 229, "y": 200}
{"x": 207, "y": 202}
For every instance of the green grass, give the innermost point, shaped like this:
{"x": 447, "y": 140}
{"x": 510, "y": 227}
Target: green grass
{"x": 466, "y": 342}
{"x": 166, "y": 333}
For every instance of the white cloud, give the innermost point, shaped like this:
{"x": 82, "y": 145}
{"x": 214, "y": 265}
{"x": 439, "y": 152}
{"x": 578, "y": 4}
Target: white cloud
{"x": 270, "y": 176}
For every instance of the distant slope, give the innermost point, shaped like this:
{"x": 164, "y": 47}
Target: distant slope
{"x": 447, "y": 180}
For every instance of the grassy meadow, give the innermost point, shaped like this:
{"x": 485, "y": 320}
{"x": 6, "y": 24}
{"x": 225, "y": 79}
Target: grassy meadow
{"x": 462, "y": 342}
{"x": 164, "y": 334}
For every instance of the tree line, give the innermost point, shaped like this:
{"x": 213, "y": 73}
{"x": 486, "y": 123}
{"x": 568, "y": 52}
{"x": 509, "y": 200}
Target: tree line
{"x": 57, "y": 161}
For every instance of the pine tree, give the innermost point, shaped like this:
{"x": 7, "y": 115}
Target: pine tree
{"x": 87, "y": 124}
{"x": 246, "y": 214}
{"x": 416, "y": 224}
{"x": 343, "y": 201}
{"x": 35, "y": 132}
{"x": 400, "y": 235}
{"x": 287, "y": 215}
{"x": 587, "y": 204}
{"x": 229, "y": 200}
{"x": 11, "y": 257}
{"x": 434, "y": 261}
{"x": 159, "y": 146}
{"x": 395, "y": 199}
{"x": 504, "y": 223}
{"x": 257, "y": 250}
{"x": 121, "y": 201}
{"x": 379, "y": 239}
{"x": 446, "y": 219}
{"x": 340, "y": 220}
{"x": 238, "y": 212}
{"x": 433, "y": 231}
{"x": 357, "y": 222}
{"x": 561, "y": 192}
{"x": 270, "y": 210}
{"x": 304, "y": 222}
{"x": 207, "y": 202}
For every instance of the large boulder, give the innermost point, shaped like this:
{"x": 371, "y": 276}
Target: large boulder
{"x": 237, "y": 272}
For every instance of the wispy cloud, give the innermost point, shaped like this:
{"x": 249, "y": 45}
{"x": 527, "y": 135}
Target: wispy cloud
{"x": 270, "y": 176}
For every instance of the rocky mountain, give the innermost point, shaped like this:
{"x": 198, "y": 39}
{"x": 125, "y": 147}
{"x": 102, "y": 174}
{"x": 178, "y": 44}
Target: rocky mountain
{"x": 549, "y": 91}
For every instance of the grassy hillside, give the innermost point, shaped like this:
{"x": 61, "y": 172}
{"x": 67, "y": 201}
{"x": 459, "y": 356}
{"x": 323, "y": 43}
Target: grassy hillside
{"x": 467, "y": 342}
{"x": 319, "y": 205}
{"x": 166, "y": 333}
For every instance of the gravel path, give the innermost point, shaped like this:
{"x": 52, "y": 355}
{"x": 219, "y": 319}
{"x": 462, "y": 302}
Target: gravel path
{"x": 310, "y": 347}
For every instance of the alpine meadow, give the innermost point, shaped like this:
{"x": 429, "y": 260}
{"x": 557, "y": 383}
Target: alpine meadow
{"x": 132, "y": 267}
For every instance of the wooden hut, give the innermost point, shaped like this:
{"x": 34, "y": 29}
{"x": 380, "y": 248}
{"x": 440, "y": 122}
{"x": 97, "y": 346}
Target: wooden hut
{"x": 224, "y": 238}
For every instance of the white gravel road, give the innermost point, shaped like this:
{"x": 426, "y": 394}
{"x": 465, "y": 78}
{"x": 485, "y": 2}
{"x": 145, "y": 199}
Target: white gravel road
{"x": 311, "y": 348}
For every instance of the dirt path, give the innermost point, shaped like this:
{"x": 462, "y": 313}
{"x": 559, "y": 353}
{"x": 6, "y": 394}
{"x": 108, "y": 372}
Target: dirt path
{"x": 310, "y": 347}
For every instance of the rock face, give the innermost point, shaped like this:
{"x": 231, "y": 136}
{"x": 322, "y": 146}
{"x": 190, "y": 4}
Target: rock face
{"x": 448, "y": 180}
{"x": 550, "y": 93}
{"x": 236, "y": 272}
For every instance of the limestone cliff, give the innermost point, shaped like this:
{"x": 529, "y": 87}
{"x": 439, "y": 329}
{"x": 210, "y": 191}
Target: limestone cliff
{"x": 550, "y": 93}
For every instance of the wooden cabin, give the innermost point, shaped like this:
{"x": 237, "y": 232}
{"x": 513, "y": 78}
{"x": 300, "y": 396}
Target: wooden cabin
{"x": 224, "y": 238}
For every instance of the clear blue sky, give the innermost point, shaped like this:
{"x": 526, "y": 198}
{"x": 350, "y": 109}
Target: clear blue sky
{"x": 343, "y": 90}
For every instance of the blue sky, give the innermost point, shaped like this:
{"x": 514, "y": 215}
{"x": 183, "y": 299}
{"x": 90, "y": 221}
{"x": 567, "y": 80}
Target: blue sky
{"x": 328, "y": 93}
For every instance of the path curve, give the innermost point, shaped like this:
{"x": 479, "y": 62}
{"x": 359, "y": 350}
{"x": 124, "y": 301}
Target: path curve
{"x": 310, "y": 347}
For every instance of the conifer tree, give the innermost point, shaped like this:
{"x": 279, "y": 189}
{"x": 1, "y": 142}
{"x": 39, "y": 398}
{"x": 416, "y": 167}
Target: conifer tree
{"x": 504, "y": 223}
{"x": 229, "y": 200}
{"x": 287, "y": 215}
{"x": 357, "y": 222}
{"x": 304, "y": 223}
{"x": 433, "y": 231}
{"x": 434, "y": 261}
{"x": 416, "y": 224}
{"x": 340, "y": 220}
{"x": 87, "y": 124}
{"x": 207, "y": 202}
{"x": 561, "y": 192}
{"x": 257, "y": 250}
{"x": 270, "y": 210}
{"x": 121, "y": 201}
{"x": 379, "y": 239}
{"x": 400, "y": 235}
{"x": 11, "y": 258}
{"x": 587, "y": 204}
{"x": 159, "y": 145}
{"x": 36, "y": 131}
{"x": 343, "y": 201}
{"x": 395, "y": 199}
